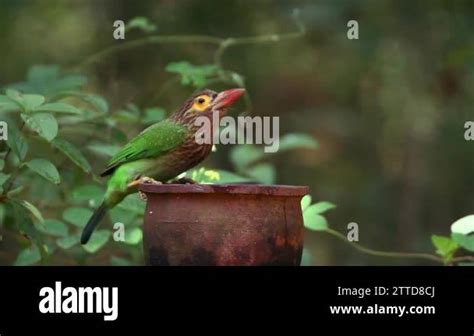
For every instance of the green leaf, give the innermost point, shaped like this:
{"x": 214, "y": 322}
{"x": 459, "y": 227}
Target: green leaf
{"x": 42, "y": 73}
{"x": 88, "y": 193}
{"x": 263, "y": 173}
{"x": 67, "y": 242}
{"x": 45, "y": 169}
{"x": 54, "y": 227}
{"x": 17, "y": 142}
{"x": 16, "y": 97}
{"x": 58, "y": 107}
{"x": 73, "y": 153}
{"x": 297, "y": 140}
{"x": 322, "y": 207}
{"x": 42, "y": 123}
{"x": 28, "y": 256}
{"x": 2, "y": 164}
{"x": 245, "y": 155}
{"x": 15, "y": 192}
{"x": 312, "y": 216}
{"x": 305, "y": 202}
{"x": 98, "y": 239}
{"x": 26, "y": 101}
{"x": 466, "y": 241}
{"x": 25, "y": 223}
{"x": 46, "y": 80}
{"x": 7, "y": 104}
{"x": 134, "y": 204}
{"x": 97, "y": 101}
{"x": 126, "y": 117}
{"x": 107, "y": 150}
{"x": 314, "y": 222}
{"x": 121, "y": 215}
{"x": 33, "y": 100}
{"x": 77, "y": 216}
{"x": 117, "y": 261}
{"x": 464, "y": 225}
{"x": 3, "y": 178}
{"x": 196, "y": 75}
{"x": 5, "y": 100}
{"x": 445, "y": 246}
{"x": 32, "y": 209}
{"x": 141, "y": 23}
{"x": 2, "y": 214}
{"x": 133, "y": 236}
{"x": 133, "y": 108}
{"x": 153, "y": 115}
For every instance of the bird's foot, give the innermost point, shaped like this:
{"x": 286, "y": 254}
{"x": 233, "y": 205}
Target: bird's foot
{"x": 183, "y": 180}
{"x": 142, "y": 196}
{"x": 149, "y": 180}
{"x": 143, "y": 179}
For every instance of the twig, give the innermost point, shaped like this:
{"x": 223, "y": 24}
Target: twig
{"x": 222, "y": 43}
{"x": 234, "y": 41}
{"x": 155, "y": 39}
{"x": 377, "y": 253}
{"x": 461, "y": 259}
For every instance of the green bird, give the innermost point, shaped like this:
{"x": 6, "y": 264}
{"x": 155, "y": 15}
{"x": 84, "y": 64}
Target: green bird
{"x": 162, "y": 151}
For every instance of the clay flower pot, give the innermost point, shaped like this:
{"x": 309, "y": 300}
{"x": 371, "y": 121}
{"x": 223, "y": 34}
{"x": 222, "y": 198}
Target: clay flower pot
{"x": 239, "y": 224}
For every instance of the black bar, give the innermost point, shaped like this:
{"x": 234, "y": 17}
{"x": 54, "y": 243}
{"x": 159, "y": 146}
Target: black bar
{"x": 159, "y": 299}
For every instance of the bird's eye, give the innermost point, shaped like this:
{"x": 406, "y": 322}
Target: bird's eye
{"x": 201, "y": 103}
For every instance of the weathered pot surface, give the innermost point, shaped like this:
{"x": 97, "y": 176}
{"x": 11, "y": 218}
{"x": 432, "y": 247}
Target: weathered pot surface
{"x": 232, "y": 224}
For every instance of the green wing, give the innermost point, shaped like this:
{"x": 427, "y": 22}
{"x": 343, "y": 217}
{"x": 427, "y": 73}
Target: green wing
{"x": 150, "y": 143}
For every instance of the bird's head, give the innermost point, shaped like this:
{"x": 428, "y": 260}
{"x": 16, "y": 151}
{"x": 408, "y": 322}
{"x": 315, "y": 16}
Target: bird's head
{"x": 207, "y": 102}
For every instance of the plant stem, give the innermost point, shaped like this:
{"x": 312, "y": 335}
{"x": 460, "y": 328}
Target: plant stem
{"x": 461, "y": 259}
{"x": 233, "y": 41}
{"x": 155, "y": 39}
{"x": 388, "y": 254}
{"x": 222, "y": 43}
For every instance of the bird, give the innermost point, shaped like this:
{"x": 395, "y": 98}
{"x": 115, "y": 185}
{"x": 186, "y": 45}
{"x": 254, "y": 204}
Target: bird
{"x": 162, "y": 151}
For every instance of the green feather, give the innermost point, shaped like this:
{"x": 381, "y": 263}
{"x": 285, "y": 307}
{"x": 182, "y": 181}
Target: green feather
{"x": 153, "y": 142}
{"x": 144, "y": 152}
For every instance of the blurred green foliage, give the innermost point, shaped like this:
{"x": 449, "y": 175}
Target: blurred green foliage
{"x": 388, "y": 111}
{"x": 49, "y": 115}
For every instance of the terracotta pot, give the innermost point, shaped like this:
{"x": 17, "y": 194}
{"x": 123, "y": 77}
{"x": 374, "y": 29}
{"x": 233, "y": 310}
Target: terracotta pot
{"x": 239, "y": 224}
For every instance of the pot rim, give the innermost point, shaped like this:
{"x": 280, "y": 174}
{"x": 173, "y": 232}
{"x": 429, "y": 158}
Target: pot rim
{"x": 247, "y": 189}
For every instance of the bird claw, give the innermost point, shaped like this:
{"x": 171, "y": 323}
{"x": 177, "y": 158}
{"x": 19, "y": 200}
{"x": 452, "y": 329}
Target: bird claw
{"x": 183, "y": 180}
{"x": 142, "y": 196}
{"x": 149, "y": 180}
{"x": 145, "y": 180}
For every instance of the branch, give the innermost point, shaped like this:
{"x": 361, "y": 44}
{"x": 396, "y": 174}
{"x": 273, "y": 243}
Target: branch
{"x": 155, "y": 39}
{"x": 233, "y": 41}
{"x": 388, "y": 254}
{"x": 222, "y": 43}
{"x": 461, "y": 259}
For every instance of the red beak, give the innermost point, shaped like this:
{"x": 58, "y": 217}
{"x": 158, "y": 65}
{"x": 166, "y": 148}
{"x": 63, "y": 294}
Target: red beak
{"x": 227, "y": 98}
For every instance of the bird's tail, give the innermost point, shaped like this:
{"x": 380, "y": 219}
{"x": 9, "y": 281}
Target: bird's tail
{"x": 96, "y": 217}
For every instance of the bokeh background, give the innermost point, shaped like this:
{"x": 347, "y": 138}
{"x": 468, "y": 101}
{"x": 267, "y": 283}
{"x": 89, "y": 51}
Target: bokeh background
{"x": 388, "y": 109}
